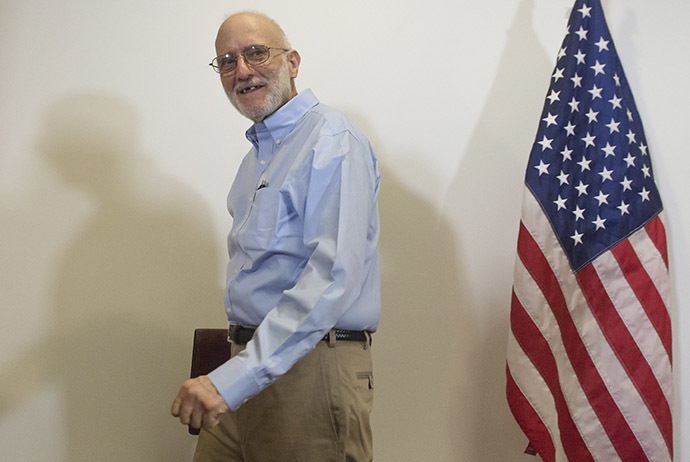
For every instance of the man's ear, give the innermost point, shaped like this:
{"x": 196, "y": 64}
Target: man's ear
{"x": 293, "y": 59}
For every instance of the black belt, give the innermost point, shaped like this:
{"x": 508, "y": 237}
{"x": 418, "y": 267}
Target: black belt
{"x": 242, "y": 335}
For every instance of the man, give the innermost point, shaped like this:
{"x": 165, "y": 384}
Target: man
{"x": 302, "y": 293}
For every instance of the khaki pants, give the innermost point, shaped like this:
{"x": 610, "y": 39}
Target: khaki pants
{"x": 317, "y": 412}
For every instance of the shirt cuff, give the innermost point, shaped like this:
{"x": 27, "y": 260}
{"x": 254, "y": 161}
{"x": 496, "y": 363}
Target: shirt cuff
{"x": 235, "y": 383}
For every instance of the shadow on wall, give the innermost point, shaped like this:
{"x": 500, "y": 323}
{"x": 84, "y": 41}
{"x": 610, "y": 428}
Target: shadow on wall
{"x": 486, "y": 196}
{"x": 129, "y": 289}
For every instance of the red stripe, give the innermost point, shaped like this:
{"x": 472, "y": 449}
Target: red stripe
{"x": 657, "y": 233}
{"x": 529, "y": 421}
{"x": 602, "y": 403}
{"x": 645, "y": 291}
{"x": 537, "y": 349}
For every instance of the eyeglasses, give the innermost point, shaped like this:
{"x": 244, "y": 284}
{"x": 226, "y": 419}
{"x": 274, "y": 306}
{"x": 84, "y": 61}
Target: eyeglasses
{"x": 253, "y": 54}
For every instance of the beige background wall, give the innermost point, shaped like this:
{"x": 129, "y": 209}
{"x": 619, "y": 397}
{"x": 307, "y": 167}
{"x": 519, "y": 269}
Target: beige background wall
{"x": 117, "y": 148}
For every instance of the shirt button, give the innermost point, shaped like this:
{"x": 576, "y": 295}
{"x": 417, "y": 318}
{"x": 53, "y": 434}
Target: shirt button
{"x": 277, "y": 141}
{"x": 263, "y": 162}
{"x": 234, "y": 234}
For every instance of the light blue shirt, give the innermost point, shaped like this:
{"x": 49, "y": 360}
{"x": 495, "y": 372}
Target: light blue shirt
{"x": 304, "y": 242}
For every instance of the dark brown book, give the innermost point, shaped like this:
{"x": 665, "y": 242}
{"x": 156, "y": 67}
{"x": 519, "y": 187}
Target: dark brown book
{"x": 211, "y": 349}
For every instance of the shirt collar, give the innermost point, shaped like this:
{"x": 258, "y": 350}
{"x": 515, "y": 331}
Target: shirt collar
{"x": 280, "y": 123}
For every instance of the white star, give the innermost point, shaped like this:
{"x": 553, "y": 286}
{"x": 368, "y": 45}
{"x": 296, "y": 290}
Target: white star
{"x": 582, "y": 33}
{"x": 630, "y": 116}
{"x": 560, "y": 203}
{"x": 584, "y": 164}
{"x": 602, "y": 198}
{"x": 582, "y": 189}
{"x": 626, "y": 184}
{"x": 561, "y": 53}
{"x": 554, "y": 96}
{"x": 592, "y": 116}
{"x": 563, "y": 178}
{"x": 631, "y": 137}
{"x": 644, "y": 194}
{"x": 608, "y": 150}
{"x": 596, "y": 92}
{"x": 579, "y": 213}
{"x": 623, "y": 208}
{"x": 598, "y": 68}
{"x": 585, "y": 11}
{"x": 570, "y": 128}
{"x": 550, "y": 119}
{"x": 606, "y": 175}
{"x": 567, "y": 154}
{"x": 617, "y": 80}
{"x": 630, "y": 160}
{"x": 602, "y": 44}
{"x": 574, "y": 105}
{"x": 643, "y": 148}
{"x": 577, "y": 237}
{"x": 545, "y": 143}
{"x": 558, "y": 74}
{"x": 645, "y": 171}
{"x": 613, "y": 126}
{"x": 577, "y": 80}
{"x": 580, "y": 56}
{"x": 599, "y": 222}
{"x": 542, "y": 167}
{"x": 616, "y": 102}
{"x": 589, "y": 140}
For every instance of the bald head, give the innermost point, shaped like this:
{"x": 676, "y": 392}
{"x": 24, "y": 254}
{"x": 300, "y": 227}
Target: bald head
{"x": 252, "y": 24}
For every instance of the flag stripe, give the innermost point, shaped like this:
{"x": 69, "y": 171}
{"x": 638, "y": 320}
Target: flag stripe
{"x": 657, "y": 233}
{"x": 529, "y": 420}
{"x": 592, "y": 384}
{"x": 645, "y": 291}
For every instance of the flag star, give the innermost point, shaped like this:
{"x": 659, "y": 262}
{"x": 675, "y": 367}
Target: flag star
{"x": 630, "y": 160}
{"x": 570, "y": 128}
{"x": 631, "y": 137}
{"x": 561, "y": 53}
{"x": 582, "y": 189}
{"x": 580, "y": 56}
{"x": 644, "y": 194}
{"x": 582, "y": 33}
{"x": 617, "y": 80}
{"x": 608, "y": 149}
{"x": 643, "y": 148}
{"x": 602, "y": 44}
{"x": 577, "y": 80}
{"x": 585, "y": 11}
{"x": 645, "y": 171}
{"x": 606, "y": 175}
{"x": 542, "y": 167}
{"x": 602, "y": 198}
{"x": 550, "y": 119}
{"x": 589, "y": 140}
{"x": 598, "y": 68}
{"x": 560, "y": 203}
{"x": 554, "y": 96}
{"x": 599, "y": 223}
{"x": 574, "y": 105}
{"x": 563, "y": 178}
{"x": 567, "y": 154}
{"x": 579, "y": 213}
{"x": 558, "y": 74}
{"x": 613, "y": 126}
{"x": 545, "y": 143}
{"x": 630, "y": 116}
{"x": 577, "y": 237}
{"x": 623, "y": 208}
{"x": 595, "y": 91}
{"x": 616, "y": 102}
{"x": 592, "y": 116}
{"x": 584, "y": 164}
{"x": 626, "y": 184}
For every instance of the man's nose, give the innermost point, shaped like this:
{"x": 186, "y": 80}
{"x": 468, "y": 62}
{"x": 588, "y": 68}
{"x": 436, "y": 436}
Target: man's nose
{"x": 243, "y": 69}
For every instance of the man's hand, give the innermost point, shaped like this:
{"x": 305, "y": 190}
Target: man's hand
{"x": 199, "y": 404}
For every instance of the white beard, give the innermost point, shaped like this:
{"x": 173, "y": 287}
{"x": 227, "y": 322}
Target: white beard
{"x": 278, "y": 94}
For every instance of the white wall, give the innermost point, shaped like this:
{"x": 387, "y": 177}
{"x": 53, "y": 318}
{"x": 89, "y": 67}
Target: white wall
{"x": 117, "y": 148}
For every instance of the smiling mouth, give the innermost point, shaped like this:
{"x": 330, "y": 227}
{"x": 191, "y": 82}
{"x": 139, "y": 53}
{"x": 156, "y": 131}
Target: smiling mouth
{"x": 244, "y": 91}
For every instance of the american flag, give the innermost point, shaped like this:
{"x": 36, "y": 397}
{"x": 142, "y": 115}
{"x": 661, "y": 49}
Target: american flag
{"x": 589, "y": 353}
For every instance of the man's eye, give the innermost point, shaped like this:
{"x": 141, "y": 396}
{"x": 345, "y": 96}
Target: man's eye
{"x": 255, "y": 53}
{"x": 227, "y": 61}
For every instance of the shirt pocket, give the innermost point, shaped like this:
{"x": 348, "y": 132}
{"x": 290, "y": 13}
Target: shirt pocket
{"x": 259, "y": 229}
